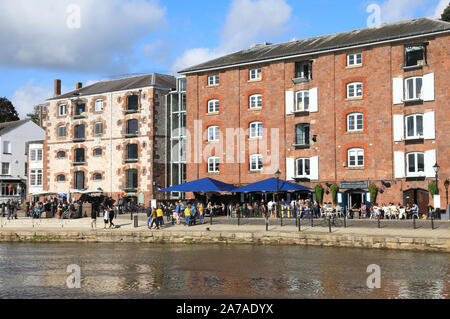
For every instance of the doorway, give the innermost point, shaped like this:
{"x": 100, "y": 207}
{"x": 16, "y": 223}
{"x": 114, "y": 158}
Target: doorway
{"x": 417, "y": 196}
{"x": 355, "y": 198}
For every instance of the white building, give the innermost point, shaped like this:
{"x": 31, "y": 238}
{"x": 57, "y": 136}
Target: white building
{"x": 13, "y": 157}
{"x": 35, "y": 167}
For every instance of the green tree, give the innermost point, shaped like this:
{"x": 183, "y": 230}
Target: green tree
{"x": 7, "y": 111}
{"x": 446, "y": 14}
{"x": 35, "y": 116}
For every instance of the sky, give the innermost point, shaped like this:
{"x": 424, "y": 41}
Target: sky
{"x": 91, "y": 40}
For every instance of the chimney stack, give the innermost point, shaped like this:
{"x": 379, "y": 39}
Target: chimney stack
{"x": 57, "y": 88}
{"x": 79, "y": 85}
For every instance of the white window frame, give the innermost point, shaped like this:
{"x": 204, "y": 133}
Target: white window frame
{"x": 33, "y": 177}
{"x": 7, "y": 147}
{"x": 355, "y": 86}
{"x": 97, "y": 104}
{"x": 417, "y": 96}
{"x": 416, "y": 135}
{"x": 255, "y": 101}
{"x": 255, "y": 74}
{"x": 213, "y": 106}
{"x": 355, "y": 57}
{"x": 304, "y": 175}
{"x": 60, "y": 107}
{"x": 65, "y": 131}
{"x": 355, "y": 117}
{"x": 214, "y": 161}
{"x": 8, "y": 172}
{"x": 95, "y": 128}
{"x": 416, "y": 173}
{"x": 213, "y": 80}
{"x": 305, "y": 107}
{"x": 356, "y": 152}
{"x": 256, "y": 163}
{"x": 33, "y": 154}
{"x": 39, "y": 155}
{"x": 213, "y": 133}
{"x": 256, "y": 130}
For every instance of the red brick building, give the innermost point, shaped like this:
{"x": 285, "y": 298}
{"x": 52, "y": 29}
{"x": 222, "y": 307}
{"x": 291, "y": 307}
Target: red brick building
{"x": 363, "y": 107}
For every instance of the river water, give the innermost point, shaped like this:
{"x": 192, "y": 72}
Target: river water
{"x": 218, "y": 271}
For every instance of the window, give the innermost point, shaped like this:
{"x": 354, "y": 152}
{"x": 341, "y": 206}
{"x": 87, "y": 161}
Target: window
{"x": 132, "y": 103}
{"x": 79, "y": 180}
{"x": 256, "y": 130}
{"x": 213, "y": 165}
{"x": 302, "y": 134}
{"x": 354, "y": 90}
{"x": 33, "y": 155}
{"x": 256, "y": 162}
{"x": 98, "y": 128}
{"x": 79, "y": 156}
{"x": 5, "y": 169}
{"x": 354, "y": 59}
{"x": 416, "y": 164}
{"x": 7, "y": 191}
{"x": 80, "y": 109}
{"x": 132, "y": 152}
{"x": 303, "y": 167}
{"x": 62, "y": 110}
{"x": 213, "y": 106}
{"x": 98, "y": 106}
{"x": 39, "y": 155}
{"x": 62, "y": 131}
{"x": 255, "y": 101}
{"x": 302, "y": 101}
{"x": 182, "y": 85}
{"x": 356, "y": 157}
{"x": 98, "y": 152}
{"x": 80, "y": 132}
{"x": 303, "y": 70}
{"x": 355, "y": 122}
{"x": 255, "y": 74}
{"x": 213, "y": 80}
{"x": 213, "y": 134}
{"x": 414, "y": 126}
{"x": 61, "y": 178}
{"x": 132, "y": 179}
{"x": 183, "y": 102}
{"x": 44, "y": 109}
{"x": 98, "y": 177}
{"x": 132, "y": 127}
{"x": 61, "y": 155}
{"x": 413, "y": 87}
{"x": 6, "y": 147}
{"x": 415, "y": 55}
{"x": 36, "y": 177}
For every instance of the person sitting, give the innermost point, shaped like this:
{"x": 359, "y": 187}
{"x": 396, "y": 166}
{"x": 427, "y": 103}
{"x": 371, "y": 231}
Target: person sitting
{"x": 415, "y": 210}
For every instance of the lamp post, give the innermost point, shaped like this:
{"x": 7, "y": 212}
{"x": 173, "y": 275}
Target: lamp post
{"x": 446, "y": 184}
{"x": 436, "y": 168}
{"x": 278, "y": 175}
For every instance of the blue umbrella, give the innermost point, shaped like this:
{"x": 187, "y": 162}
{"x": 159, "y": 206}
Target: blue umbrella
{"x": 270, "y": 185}
{"x": 201, "y": 185}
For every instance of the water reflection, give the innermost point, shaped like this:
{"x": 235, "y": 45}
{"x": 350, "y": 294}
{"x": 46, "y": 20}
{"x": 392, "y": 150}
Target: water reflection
{"x": 154, "y": 271}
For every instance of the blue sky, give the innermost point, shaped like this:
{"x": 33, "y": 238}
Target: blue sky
{"x": 101, "y": 39}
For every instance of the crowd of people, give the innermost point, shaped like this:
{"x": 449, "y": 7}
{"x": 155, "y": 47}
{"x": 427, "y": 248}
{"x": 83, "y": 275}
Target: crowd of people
{"x": 9, "y": 209}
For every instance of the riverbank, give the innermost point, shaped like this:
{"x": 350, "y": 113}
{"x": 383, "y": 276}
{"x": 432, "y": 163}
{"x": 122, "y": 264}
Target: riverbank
{"x": 71, "y": 231}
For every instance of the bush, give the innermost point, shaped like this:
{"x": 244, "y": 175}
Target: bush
{"x": 334, "y": 190}
{"x": 432, "y": 188}
{"x": 319, "y": 193}
{"x": 373, "y": 190}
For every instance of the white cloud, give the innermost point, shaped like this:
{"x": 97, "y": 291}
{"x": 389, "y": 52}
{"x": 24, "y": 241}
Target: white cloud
{"x": 247, "y": 22}
{"x": 440, "y": 8}
{"x": 28, "y": 96}
{"x": 37, "y": 34}
{"x": 159, "y": 51}
{"x": 397, "y": 10}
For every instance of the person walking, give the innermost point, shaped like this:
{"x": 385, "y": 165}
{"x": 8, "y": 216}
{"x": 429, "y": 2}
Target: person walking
{"x": 201, "y": 210}
{"x": 178, "y": 212}
{"x": 105, "y": 214}
{"x": 93, "y": 219}
{"x": 153, "y": 218}
{"x": 187, "y": 214}
{"x": 159, "y": 217}
{"x": 9, "y": 208}
{"x": 149, "y": 214}
{"x": 111, "y": 217}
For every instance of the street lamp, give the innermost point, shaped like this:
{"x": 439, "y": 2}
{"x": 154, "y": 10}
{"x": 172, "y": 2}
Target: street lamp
{"x": 446, "y": 184}
{"x": 436, "y": 168}
{"x": 278, "y": 175}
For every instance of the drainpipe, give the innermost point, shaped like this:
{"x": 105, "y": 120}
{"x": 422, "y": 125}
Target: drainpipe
{"x": 110, "y": 144}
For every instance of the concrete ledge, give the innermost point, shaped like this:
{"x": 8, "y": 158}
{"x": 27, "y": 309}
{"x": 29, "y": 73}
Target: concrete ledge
{"x": 263, "y": 238}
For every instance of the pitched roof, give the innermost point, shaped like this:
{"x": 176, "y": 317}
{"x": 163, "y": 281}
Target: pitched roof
{"x": 8, "y": 126}
{"x": 315, "y": 45}
{"x": 129, "y": 83}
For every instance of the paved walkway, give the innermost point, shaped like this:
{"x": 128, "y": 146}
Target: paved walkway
{"x": 222, "y": 225}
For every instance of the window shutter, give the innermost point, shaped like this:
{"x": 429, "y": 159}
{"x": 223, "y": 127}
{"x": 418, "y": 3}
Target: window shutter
{"x": 289, "y": 102}
{"x": 428, "y": 87}
{"x": 399, "y": 128}
{"x": 313, "y": 100}
{"x": 399, "y": 164}
{"x": 290, "y": 169}
{"x": 430, "y": 161}
{"x": 398, "y": 90}
{"x": 314, "y": 168}
{"x": 429, "y": 127}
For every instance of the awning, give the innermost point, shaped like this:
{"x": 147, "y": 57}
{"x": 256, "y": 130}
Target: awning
{"x": 43, "y": 193}
{"x": 270, "y": 185}
{"x": 201, "y": 185}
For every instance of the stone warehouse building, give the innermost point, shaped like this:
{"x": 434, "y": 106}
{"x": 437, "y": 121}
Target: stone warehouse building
{"x": 353, "y": 108}
{"x": 110, "y": 135}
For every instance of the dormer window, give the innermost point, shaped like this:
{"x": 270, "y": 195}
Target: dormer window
{"x": 415, "y": 55}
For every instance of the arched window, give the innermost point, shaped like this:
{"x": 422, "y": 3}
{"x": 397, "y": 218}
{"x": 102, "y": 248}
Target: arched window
{"x": 79, "y": 156}
{"x": 415, "y": 164}
{"x": 354, "y": 90}
{"x": 256, "y": 129}
{"x": 213, "y": 106}
{"x": 80, "y": 132}
{"x": 213, "y": 134}
{"x": 61, "y": 155}
{"x": 256, "y": 162}
{"x": 303, "y": 167}
{"x": 98, "y": 177}
{"x": 414, "y": 126}
{"x": 356, "y": 157}
{"x": 61, "y": 178}
{"x": 132, "y": 152}
{"x": 255, "y": 101}
{"x": 413, "y": 88}
{"x": 79, "y": 180}
{"x": 355, "y": 122}
{"x": 98, "y": 152}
